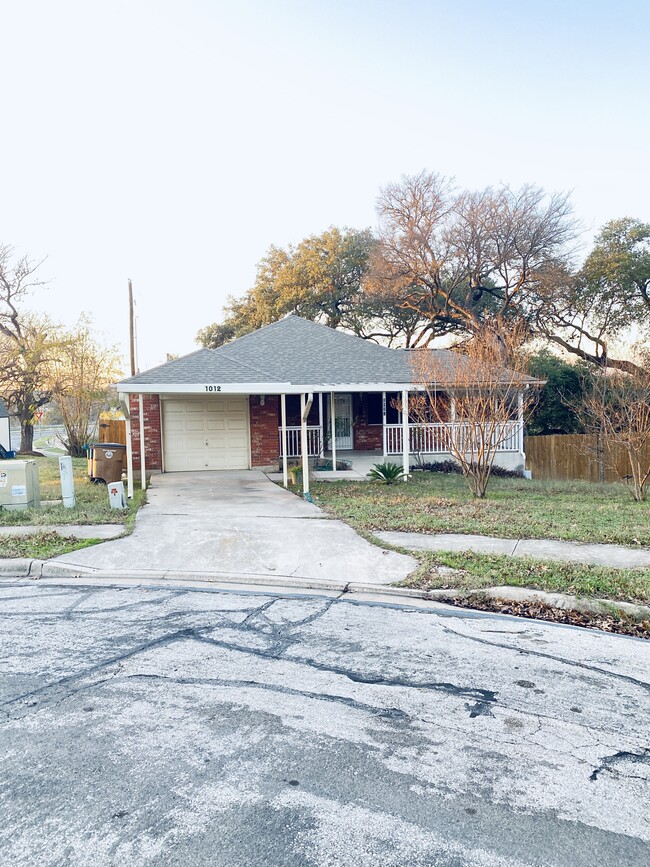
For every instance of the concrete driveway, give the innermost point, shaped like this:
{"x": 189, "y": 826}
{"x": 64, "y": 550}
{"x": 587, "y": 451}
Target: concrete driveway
{"x": 174, "y": 726}
{"x": 240, "y": 523}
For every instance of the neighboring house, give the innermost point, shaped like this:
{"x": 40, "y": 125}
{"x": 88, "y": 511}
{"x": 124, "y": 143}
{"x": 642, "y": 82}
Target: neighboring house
{"x": 5, "y": 434}
{"x": 220, "y": 409}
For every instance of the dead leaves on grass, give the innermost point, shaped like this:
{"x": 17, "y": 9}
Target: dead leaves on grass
{"x": 541, "y": 611}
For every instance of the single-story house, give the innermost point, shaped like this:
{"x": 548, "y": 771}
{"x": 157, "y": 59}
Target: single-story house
{"x": 294, "y": 389}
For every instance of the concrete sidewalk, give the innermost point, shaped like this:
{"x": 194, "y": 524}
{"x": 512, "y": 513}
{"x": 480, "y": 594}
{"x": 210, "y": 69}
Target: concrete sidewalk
{"x": 614, "y": 556}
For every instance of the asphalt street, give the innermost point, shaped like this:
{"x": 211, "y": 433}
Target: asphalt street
{"x": 166, "y": 725}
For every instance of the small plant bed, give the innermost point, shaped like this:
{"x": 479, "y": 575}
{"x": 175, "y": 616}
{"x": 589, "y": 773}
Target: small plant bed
{"x": 91, "y": 501}
{"x": 468, "y": 571}
{"x": 617, "y": 623}
{"x": 41, "y": 546}
{"x": 514, "y": 508}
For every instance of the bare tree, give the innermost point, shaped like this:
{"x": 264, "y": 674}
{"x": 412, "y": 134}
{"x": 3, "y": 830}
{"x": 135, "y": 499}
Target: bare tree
{"x": 81, "y": 373}
{"x": 476, "y": 398}
{"x": 463, "y": 258}
{"x": 617, "y": 411}
{"x": 24, "y": 344}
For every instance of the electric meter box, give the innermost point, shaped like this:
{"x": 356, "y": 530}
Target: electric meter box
{"x": 19, "y": 485}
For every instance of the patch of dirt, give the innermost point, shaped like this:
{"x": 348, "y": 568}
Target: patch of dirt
{"x": 542, "y": 611}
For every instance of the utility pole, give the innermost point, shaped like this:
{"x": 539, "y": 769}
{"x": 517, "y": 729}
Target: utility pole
{"x": 131, "y": 330}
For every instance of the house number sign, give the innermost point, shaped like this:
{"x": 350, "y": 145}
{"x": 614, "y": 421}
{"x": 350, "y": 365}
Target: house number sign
{"x": 213, "y": 388}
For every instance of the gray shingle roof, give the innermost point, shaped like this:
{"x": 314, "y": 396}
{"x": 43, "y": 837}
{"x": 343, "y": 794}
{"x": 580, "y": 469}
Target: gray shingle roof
{"x": 294, "y": 351}
{"x": 3, "y": 409}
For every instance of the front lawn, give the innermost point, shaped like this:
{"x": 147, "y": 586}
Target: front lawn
{"x": 475, "y": 571}
{"x": 41, "y": 546}
{"x": 91, "y": 507}
{"x": 514, "y": 508}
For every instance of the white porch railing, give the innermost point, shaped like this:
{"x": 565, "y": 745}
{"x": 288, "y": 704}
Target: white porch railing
{"x": 432, "y": 439}
{"x": 314, "y": 442}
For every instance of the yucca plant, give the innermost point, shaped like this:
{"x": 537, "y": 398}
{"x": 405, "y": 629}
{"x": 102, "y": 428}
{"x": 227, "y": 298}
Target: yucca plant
{"x": 387, "y": 473}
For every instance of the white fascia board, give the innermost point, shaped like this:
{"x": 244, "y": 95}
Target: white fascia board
{"x": 356, "y": 387}
{"x": 261, "y": 387}
{"x": 206, "y": 388}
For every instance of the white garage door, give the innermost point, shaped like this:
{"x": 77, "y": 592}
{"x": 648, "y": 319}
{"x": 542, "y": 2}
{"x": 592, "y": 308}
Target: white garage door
{"x": 206, "y": 433}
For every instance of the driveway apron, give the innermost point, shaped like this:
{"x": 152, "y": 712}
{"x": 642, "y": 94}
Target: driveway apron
{"x": 238, "y": 523}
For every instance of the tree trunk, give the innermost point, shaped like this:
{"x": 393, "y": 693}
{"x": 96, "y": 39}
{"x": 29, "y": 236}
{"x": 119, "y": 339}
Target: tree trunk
{"x": 26, "y": 436}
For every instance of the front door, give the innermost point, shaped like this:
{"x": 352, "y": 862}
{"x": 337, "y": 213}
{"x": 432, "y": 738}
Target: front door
{"x": 343, "y": 421}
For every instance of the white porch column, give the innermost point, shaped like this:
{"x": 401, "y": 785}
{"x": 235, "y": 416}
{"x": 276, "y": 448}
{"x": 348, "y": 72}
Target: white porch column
{"x": 143, "y": 467}
{"x": 333, "y": 429}
{"x": 320, "y": 424}
{"x": 126, "y": 409}
{"x": 383, "y": 425}
{"x": 129, "y": 460}
{"x": 285, "y": 468}
{"x": 520, "y": 421}
{"x": 405, "y": 433}
{"x": 305, "y": 406}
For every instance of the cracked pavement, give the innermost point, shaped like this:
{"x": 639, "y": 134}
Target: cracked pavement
{"x": 175, "y": 725}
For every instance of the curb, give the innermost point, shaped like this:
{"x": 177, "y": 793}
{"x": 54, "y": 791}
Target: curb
{"x": 37, "y": 569}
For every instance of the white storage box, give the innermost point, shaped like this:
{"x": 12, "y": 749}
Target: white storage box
{"x": 19, "y": 485}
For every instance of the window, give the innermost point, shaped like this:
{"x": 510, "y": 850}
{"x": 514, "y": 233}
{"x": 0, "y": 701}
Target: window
{"x": 374, "y": 403}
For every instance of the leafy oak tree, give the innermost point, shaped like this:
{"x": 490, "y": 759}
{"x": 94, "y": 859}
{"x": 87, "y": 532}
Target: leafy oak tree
{"x": 324, "y": 279}
{"x": 555, "y": 409}
{"x": 585, "y": 312}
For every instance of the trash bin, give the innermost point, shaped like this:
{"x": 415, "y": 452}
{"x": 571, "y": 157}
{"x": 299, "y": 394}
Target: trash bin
{"x": 105, "y": 462}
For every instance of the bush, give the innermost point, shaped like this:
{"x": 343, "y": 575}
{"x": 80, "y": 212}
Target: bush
{"x": 453, "y": 467}
{"x": 438, "y": 467}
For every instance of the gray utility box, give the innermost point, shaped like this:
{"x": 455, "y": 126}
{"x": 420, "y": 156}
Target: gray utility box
{"x": 19, "y": 485}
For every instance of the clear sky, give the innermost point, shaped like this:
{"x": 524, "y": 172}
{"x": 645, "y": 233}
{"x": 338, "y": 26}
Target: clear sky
{"x": 173, "y": 142}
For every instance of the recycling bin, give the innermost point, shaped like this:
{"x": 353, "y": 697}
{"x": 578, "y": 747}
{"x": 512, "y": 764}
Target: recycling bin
{"x": 105, "y": 462}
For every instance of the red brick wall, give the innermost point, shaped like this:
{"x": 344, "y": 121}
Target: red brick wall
{"x": 265, "y": 442}
{"x": 367, "y": 437}
{"x": 152, "y": 437}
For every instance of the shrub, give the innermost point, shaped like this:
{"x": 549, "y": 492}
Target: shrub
{"x": 387, "y": 473}
{"x": 453, "y": 467}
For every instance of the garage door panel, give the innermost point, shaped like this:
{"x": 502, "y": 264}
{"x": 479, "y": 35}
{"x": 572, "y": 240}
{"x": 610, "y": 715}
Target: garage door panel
{"x": 210, "y": 433}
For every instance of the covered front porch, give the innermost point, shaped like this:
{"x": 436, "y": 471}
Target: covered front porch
{"x": 367, "y": 428}
{"x": 360, "y": 465}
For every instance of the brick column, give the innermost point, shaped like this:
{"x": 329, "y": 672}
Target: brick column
{"x": 152, "y": 428}
{"x": 265, "y": 440}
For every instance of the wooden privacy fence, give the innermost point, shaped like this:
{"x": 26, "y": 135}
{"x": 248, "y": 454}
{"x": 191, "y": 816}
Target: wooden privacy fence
{"x": 575, "y": 456}
{"x": 112, "y": 430}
